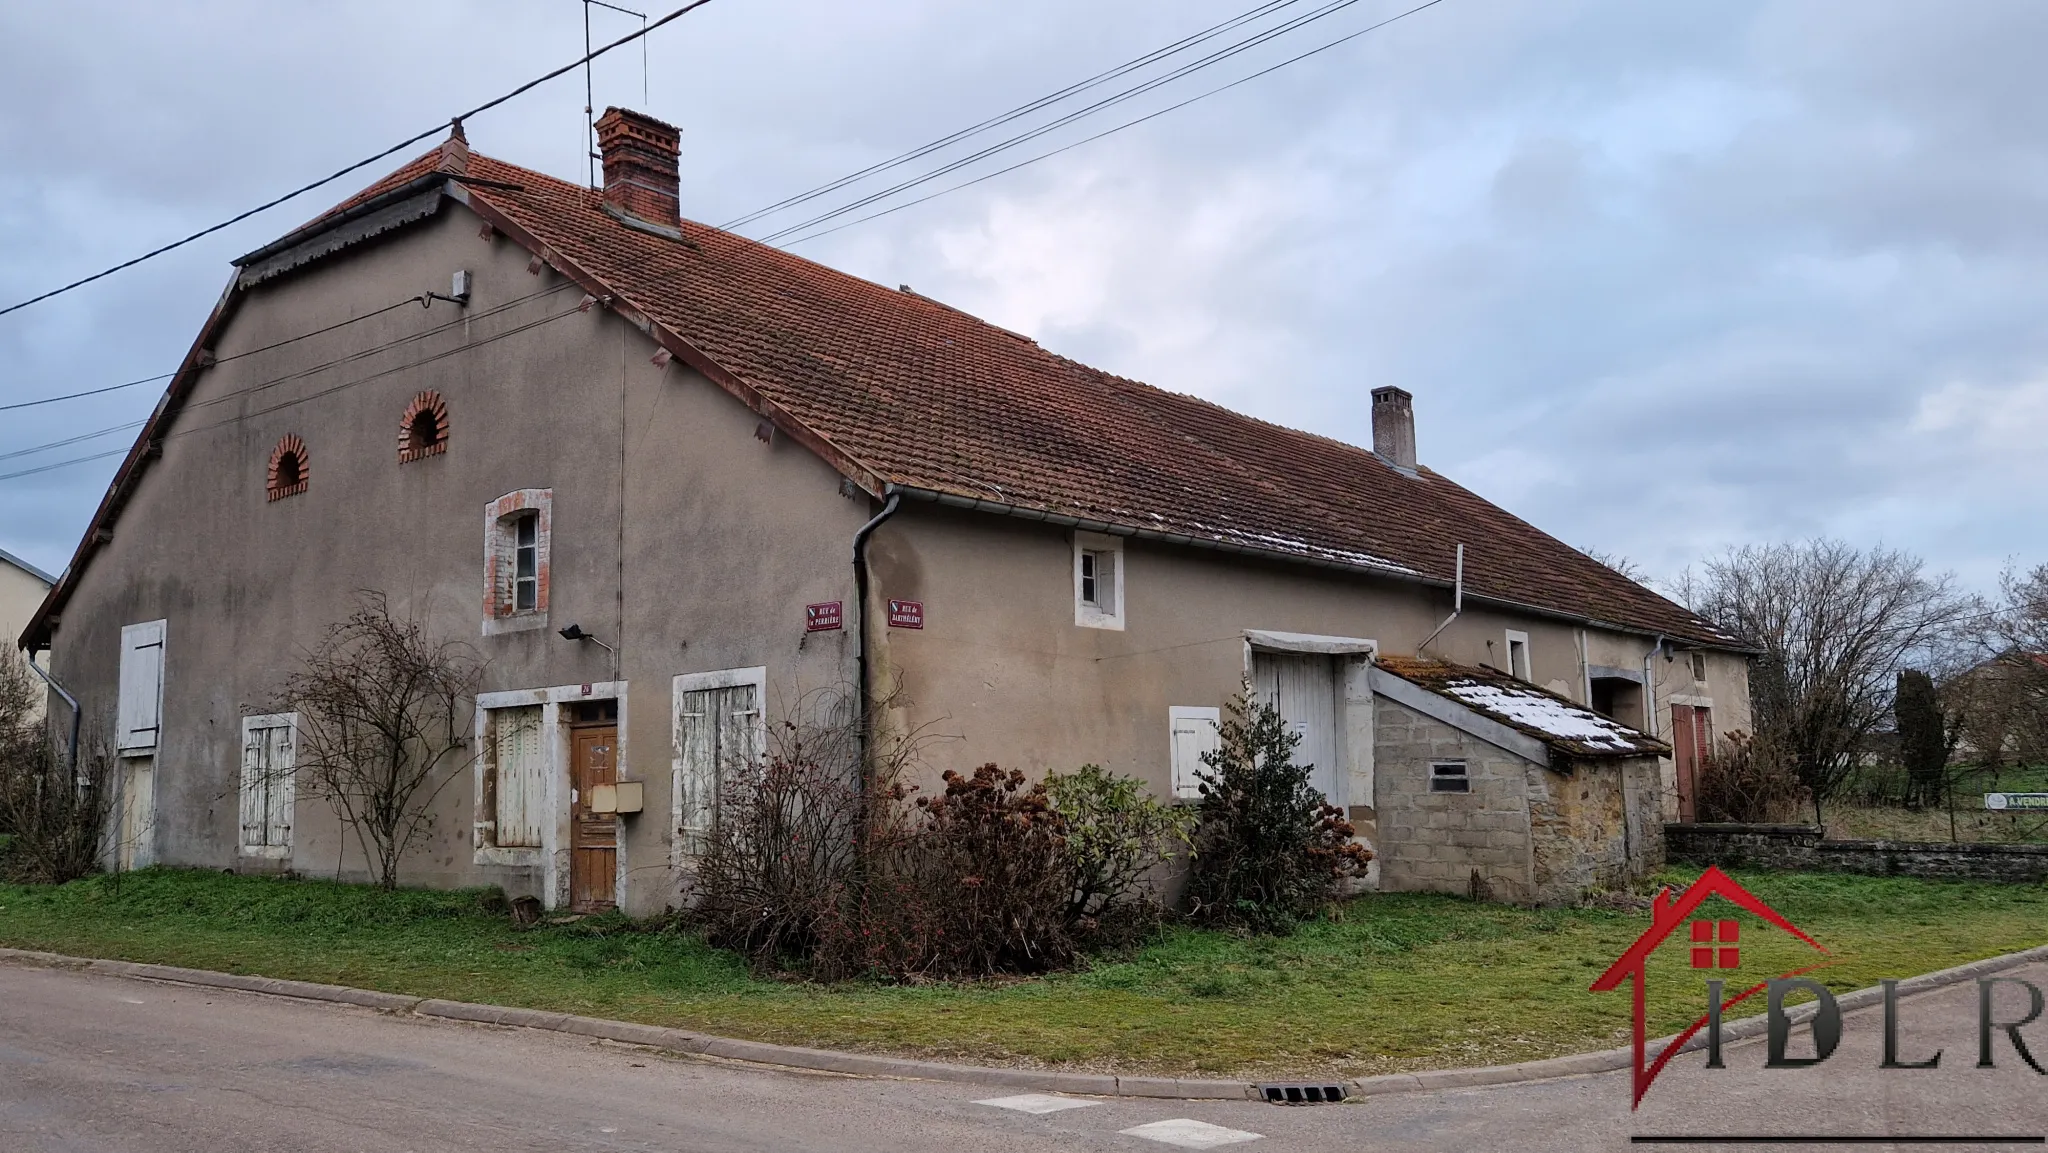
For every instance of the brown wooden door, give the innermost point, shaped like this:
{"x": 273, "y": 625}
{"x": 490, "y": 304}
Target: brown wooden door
{"x": 1685, "y": 760}
{"x": 593, "y": 837}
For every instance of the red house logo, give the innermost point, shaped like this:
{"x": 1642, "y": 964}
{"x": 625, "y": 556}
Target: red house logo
{"x": 1713, "y": 944}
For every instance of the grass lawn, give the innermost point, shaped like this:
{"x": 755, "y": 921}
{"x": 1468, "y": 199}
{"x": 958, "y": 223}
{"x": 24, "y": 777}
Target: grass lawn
{"x": 1397, "y": 982}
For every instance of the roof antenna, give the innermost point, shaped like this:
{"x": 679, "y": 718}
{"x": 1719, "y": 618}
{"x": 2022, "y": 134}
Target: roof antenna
{"x": 589, "y": 100}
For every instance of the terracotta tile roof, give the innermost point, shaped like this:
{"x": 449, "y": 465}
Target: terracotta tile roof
{"x": 925, "y": 396}
{"x": 1570, "y": 729}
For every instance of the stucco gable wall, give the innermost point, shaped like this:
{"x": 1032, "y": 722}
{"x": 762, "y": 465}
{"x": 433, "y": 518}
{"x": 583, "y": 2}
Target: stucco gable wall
{"x": 723, "y": 541}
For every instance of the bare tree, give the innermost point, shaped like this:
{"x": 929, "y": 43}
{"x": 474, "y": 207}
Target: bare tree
{"x": 54, "y": 814}
{"x": 1620, "y": 564}
{"x": 385, "y": 723}
{"x": 2014, "y": 682}
{"x": 1835, "y": 625}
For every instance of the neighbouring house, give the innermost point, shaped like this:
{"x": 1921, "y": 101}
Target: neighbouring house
{"x": 22, "y": 589}
{"x": 513, "y": 405}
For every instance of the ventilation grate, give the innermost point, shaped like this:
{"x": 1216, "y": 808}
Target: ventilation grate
{"x": 1301, "y": 1093}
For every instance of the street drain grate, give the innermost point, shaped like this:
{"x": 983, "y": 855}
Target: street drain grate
{"x": 1301, "y": 1093}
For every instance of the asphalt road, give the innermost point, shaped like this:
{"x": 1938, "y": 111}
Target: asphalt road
{"x": 93, "y": 1063}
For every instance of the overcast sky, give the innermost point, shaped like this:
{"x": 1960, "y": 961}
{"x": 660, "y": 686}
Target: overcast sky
{"x": 1662, "y": 277}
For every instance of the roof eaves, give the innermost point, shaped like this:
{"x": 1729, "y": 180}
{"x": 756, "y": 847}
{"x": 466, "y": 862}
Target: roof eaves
{"x": 1387, "y": 570}
{"x": 26, "y": 567}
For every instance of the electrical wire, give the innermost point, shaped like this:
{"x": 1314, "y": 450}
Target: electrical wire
{"x": 1217, "y": 57}
{"x": 222, "y": 360}
{"x": 1021, "y": 110}
{"x": 1111, "y": 131}
{"x": 363, "y": 163}
{"x": 87, "y": 392}
{"x": 74, "y": 440}
{"x": 387, "y": 346}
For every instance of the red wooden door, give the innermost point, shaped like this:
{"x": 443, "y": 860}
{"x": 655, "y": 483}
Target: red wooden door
{"x": 1685, "y": 758}
{"x": 593, "y": 837}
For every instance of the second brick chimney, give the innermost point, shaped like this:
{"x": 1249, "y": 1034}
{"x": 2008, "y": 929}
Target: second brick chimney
{"x": 1393, "y": 427}
{"x": 640, "y": 167}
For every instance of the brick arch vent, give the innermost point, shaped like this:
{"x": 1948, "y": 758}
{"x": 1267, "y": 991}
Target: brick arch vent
{"x": 282, "y": 487}
{"x": 410, "y": 446}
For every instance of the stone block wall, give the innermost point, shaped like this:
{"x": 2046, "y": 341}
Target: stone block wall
{"x": 1800, "y": 848}
{"x": 1597, "y": 826}
{"x": 1436, "y": 841}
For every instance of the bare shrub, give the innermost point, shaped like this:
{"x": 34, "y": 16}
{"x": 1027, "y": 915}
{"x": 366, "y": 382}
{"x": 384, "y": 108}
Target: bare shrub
{"x": 1749, "y": 782}
{"x": 56, "y": 814}
{"x": 1269, "y": 851}
{"x": 385, "y": 720}
{"x": 786, "y": 851}
{"x": 975, "y": 884}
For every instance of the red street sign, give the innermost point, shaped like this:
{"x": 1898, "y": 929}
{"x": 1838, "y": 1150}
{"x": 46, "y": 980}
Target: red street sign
{"x": 906, "y": 614}
{"x": 822, "y": 617}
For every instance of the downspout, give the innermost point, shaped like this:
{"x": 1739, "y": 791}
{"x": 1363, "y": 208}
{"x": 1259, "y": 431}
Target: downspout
{"x": 1650, "y": 688}
{"x": 860, "y": 642}
{"x": 30, "y": 660}
{"x": 1457, "y": 603}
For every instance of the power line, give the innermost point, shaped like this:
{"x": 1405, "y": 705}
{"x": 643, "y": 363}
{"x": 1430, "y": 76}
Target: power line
{"x": 74, "y": 440}
{"x": 363, "y": 163}
{"x": 1110, "y": 131}
{"x": 87, "y": 392}
{"x": 296, "y": 374}
{"x": 1021, "y": 110}
{"x": 1216, "y": 57}
{"x": 423, "y": 297}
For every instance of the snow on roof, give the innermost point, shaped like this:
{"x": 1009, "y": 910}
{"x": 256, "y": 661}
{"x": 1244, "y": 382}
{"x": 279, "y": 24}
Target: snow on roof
{"x": 1546, "y": 714}
{"x": 1570, "y": 729}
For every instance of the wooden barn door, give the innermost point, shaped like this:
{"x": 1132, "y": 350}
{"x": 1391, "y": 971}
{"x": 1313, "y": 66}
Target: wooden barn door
{"x": 1302, "y": 687}
{"x": 1692, "y": 737}
{"x": 593, "y": 837}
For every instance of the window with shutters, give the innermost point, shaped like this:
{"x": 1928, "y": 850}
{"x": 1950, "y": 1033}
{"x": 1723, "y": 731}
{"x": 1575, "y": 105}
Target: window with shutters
{"x": 518, "y": 535}
{"x": 139, "y": 712}
{"x": 719, "y": 731}
{"x": 1098, "y": 581}
{"x": 515, "y": 779}
{"x": 1193, "y": 732}
{"x": 270, "y": 746}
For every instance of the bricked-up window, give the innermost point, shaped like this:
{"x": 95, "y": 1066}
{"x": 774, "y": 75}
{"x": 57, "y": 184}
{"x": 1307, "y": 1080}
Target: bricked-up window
{"x": 1449, "y": 777}
{"x": 423, "y": 430}
{"x": 288, "y": 466}
{"x": 518, "y": 534}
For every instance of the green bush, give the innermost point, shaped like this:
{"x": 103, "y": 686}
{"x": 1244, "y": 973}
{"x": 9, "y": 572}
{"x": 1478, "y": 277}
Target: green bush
{"x": 1115, "y": 835}
{"x": 1269, "y": 851}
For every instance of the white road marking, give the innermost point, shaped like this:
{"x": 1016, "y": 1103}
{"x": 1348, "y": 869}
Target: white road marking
{"x": 1190, "y": 1134}
{"x": 133, "y": 1001}
{"x": 1037, "y": 1103}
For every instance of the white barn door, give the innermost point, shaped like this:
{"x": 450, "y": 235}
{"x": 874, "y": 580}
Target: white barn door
{"x": 1303, "y": 687}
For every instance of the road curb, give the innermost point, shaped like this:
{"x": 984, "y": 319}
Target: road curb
{"x": 688, "y": 1043}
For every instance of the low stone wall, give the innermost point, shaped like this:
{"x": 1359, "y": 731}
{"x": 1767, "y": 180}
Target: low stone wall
{"x": 1800, "y": 847}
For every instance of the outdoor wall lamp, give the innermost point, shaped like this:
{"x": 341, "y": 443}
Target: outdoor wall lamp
{"x": 575, "y": 633}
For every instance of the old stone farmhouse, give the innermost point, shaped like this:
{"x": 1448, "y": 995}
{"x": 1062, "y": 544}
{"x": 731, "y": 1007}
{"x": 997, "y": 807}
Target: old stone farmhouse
{"x": 513, "y": 404}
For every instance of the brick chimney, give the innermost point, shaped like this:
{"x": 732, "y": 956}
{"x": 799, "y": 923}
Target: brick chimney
{"x": 1393, "y": 427}
{"x": 640, "y": 173}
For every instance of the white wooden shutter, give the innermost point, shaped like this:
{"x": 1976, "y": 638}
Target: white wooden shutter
{"x": 522, "y": 777}
{"x": 269, "y": 761}
{"x": 1193, "y": 733}
{"x": 283, "y": 753}
{"x": 254, "y": 801}
{"x": 139, "y": 714}
{"x": 717, "y": 731}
